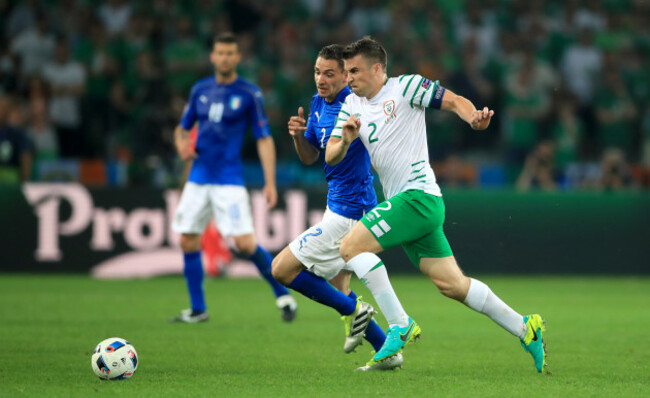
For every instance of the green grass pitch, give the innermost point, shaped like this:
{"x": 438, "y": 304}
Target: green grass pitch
{"x": 598, "y": 334}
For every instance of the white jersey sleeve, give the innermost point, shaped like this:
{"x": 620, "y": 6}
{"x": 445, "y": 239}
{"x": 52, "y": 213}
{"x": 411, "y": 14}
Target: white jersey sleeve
{"x": 418, "y": 91}
{"x": 344, "y": 114}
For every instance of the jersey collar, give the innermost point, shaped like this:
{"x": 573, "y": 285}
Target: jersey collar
{"x": 341, "y": 95}
{"x": 226, "y": 85}
{"x": 379, "y": 94}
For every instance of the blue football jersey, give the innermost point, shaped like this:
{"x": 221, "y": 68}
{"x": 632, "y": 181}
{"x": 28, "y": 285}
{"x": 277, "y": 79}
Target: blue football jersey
{"x": 350, "y": 190}
{"x": 224, "y": 113}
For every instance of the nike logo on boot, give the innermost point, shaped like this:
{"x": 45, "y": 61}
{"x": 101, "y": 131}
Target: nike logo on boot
{"x": 405, "y": 336}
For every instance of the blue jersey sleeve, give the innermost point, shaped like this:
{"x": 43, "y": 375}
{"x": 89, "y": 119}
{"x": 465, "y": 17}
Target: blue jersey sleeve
{"x": 258, "y": 117}
{"x": 189, "y": 114}
{"x": 310, "y": 133}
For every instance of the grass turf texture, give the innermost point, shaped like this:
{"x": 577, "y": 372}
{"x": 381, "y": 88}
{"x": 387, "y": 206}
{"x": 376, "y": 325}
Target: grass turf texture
{"x": 597, "y": 338}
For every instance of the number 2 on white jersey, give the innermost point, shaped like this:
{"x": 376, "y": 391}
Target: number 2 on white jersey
{"x": 374, "y": 130}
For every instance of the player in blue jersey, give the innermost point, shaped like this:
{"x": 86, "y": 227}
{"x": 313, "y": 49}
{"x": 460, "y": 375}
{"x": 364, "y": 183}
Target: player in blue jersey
{"x": 225, "y": 106}
{"x": 313, "y": 257}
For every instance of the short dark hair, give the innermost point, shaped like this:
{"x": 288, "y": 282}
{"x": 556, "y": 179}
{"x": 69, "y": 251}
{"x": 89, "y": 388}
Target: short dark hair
{"x": 225, "y": 37}
{"x": 333, "y": 51}
{"x": 369, "y": 49}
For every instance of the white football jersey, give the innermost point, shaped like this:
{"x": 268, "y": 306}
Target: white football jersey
{"x": 393, "y": 130}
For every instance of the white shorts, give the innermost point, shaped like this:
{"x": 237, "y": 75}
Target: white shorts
{"x": 318, "y": 247}
{"x": 230, "y": 205}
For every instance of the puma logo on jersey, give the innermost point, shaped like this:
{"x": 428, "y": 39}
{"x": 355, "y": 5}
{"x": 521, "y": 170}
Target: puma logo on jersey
{"x": 203, "y": 99}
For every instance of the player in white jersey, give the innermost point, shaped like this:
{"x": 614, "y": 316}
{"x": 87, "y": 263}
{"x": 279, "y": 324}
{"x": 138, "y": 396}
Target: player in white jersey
{"x": 387, "y": 115}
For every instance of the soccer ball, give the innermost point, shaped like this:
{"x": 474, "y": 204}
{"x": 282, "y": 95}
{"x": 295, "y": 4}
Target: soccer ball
{"x": 114, "y": 359}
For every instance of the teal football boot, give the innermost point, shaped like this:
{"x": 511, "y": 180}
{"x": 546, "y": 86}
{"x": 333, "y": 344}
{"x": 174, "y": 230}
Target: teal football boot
{"x": 396, "y": 338}
{"x": 533, "y": 342}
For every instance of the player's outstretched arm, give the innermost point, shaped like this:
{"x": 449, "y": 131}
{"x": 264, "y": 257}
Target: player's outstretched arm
{"x": 183, "y": 143}
{"x": 297, "y": 125}
{"x": 478, "y": 119}
{"x": 266, "y": 152}
{"x": 337, "y": 147}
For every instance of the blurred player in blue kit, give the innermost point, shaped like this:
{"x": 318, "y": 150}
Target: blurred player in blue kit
{"x": 225, "y": 107}
{"x": 313, "y": 258}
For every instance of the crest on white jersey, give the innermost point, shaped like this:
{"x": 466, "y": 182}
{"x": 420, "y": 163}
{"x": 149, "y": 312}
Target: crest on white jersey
{"x": 389, "y": 107}
{"x": 235, "y": 102}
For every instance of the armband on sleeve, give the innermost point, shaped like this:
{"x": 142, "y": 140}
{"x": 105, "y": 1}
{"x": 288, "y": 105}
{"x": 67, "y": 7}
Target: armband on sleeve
{"x": 436, "y": 97}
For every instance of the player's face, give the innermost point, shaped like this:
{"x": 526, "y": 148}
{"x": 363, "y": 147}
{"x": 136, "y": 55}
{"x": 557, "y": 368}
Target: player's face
{"x": 329, "y": 77}
{"x": 363, "y": 76}
{"x": 225, "y": 57}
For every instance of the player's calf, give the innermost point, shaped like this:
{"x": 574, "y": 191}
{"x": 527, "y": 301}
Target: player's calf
{"x": 447, "y": 276}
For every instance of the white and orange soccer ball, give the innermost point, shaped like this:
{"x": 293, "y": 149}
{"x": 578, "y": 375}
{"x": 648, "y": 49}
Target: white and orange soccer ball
{"x": 114, "y": 359}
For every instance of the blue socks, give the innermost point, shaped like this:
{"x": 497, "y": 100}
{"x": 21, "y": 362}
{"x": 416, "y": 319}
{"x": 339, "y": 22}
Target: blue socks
{"x": 374, "y": 334}
{"x": 263, "y": 260}
{"x": 318, "y": 289}
{"x": 193, "y": 272}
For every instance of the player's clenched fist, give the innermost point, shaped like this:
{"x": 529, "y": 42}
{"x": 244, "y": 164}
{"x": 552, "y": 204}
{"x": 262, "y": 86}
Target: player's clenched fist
{"x": 481, "y": 118}
{"x": 350, "y": 129}
{"x": 185, "y": 149}
{"x": 297, "y": 124}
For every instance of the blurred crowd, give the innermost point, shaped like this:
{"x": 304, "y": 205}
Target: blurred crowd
{"x": 91, "y": 90}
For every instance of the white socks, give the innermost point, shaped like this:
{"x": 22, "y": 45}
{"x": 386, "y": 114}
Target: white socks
{"x": 480, "y": 298}
{"x": 372, "y": 272}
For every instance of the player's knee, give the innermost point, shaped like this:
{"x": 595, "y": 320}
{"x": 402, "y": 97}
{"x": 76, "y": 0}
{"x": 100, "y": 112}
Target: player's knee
{"x": 247, "y": 250}
{"x": 190, "y": 243}
{"x": 278, "y": 271}
{"x": 348, "y": 249}
{"x": 246, "y": 245}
